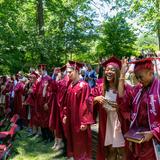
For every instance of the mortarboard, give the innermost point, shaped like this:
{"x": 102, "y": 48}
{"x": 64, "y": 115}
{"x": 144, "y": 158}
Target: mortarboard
{"x": 75, "y": 65}
{"x": 63, "y": 68}
{"x": 113, "y": 61}
{"x": 34, "y": 74}
{"x": 145, "y": 63}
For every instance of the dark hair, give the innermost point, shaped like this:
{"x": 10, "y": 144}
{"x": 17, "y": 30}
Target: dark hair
{"x": 4, "y": 79}
{"x": 100, "y": 75}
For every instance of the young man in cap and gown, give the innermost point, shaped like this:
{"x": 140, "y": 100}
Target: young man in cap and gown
{"x": 19, "y": 98}
{"x": 31, "y": 100}
{"x": 43, "y": 102}
{"x": 77, "y": 116}
{"x": 55, "y": 122}
{"x": 7, "y": 91}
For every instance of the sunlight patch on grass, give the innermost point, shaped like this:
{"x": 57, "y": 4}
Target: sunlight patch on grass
{"x": 27, "y": 148}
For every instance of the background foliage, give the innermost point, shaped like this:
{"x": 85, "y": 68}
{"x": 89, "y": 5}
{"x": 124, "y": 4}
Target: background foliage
{"x": 53, "y": 31}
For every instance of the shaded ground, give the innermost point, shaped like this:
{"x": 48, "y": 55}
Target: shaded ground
{"x": 27, "y": 148}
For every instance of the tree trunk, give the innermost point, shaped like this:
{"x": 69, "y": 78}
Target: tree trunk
{"x": 40, "y": 17}
{"x": 40, "y": 24}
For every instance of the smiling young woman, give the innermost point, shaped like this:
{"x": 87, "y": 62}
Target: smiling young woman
{"x": 111, "y": 144}
{"x": 140, "y": 106}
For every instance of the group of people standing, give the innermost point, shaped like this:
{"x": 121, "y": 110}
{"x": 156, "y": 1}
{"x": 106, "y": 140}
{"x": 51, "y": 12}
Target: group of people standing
{"x": 65, "y": 106}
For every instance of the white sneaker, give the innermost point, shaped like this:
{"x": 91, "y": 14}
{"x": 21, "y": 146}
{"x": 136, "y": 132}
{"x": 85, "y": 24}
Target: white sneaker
{"x": 37, "y": 136}
{"x": 59, "y": 153}
{"x": 59, "y": 146}
{"x": 54, "y": 146}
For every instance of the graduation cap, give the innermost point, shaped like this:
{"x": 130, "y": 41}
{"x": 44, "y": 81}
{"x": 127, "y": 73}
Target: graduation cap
{"x": 145, "y": 63}
{"x": 34, "y": 74}
{"x": 75, "y": 65}
{"x": 63, "y": 68}
{"x": 112, "y": 61}
{"x": 42, "y": 66}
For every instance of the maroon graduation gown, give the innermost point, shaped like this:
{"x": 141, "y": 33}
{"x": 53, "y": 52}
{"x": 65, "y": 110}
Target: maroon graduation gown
{"x": 18, "y": 100}
{"x": 53, "y": 113}
{"x": 57, "y": 107}
{"x": 98, "y": 91}
{"x": 41, "y": 113}
{"x": 6, "y": 92}
{"x": 31, "y": 102}
{"x": 142, "y": 105}
{"x": 78, "y": 113}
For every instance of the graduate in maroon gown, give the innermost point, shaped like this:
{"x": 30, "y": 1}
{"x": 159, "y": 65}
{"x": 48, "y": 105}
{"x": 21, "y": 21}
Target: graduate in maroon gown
{"x": 77, "y": 116}
{"x": 6, "y": 92}
{"x": 111, "y": 142}
{"x": 44, "y": 101}
{"x": 18, "y": 100}
{"x": 55, "y": 122}
{"x": 3, "y": 82}
{"x": 141, "y": 105}
{"x": 62, "y": 86}
{"x": 53, "y": 113}
{"x": 31, "y": 102}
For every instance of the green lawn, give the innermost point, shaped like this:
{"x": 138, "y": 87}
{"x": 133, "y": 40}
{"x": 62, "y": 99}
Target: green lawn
{"x": 26, "y": 148}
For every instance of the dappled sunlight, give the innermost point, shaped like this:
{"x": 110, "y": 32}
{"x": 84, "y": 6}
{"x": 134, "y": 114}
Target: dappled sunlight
{"x": 28, "y": 148}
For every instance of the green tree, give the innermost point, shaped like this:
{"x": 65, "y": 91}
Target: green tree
{"x": 116, "y": 38}
{"x": 145, "y": 14}
{"x": 38, "y": 31}
{"x": 148, "y": 12}
{"x": 147, "y": 42}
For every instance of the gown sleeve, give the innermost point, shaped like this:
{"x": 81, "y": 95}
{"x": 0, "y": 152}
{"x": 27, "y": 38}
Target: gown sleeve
{"x": 86, "y": 115}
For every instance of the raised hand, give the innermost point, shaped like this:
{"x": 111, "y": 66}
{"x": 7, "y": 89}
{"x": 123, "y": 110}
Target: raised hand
{"x": 125, "y": 67}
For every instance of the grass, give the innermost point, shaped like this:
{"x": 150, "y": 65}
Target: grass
{"x": 27, "y": 148}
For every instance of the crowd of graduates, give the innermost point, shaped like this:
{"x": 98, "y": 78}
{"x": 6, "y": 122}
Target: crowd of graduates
{"x": 61, "y": 107}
